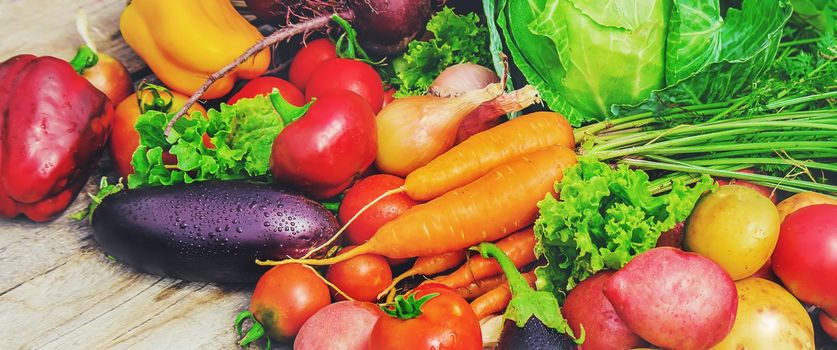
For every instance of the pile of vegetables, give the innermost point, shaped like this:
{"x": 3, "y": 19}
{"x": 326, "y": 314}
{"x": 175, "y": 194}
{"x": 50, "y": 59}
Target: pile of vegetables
{"x": 390, "y": 190}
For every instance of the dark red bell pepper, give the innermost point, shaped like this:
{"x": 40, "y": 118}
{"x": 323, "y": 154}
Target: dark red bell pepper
{"x": 53, "y": 128}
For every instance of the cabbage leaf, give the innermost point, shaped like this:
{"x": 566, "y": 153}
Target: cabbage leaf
{"x": 585, "y": 57}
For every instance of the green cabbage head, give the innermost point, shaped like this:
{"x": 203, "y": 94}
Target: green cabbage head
{"x": 593, "y": 58}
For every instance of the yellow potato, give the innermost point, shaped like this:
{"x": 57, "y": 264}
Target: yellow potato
{"x": 768, "y": 317}
{"x": 801, "y": 200}
{"x": 735, "y": 227}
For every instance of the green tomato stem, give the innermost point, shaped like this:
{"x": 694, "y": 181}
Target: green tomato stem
{"x": 85, "y": 58}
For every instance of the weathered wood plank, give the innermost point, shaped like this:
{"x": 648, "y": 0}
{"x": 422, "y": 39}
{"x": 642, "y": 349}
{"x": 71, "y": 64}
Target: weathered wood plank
{"x": 57, "y": 288}
{"x": 48, "y": 28}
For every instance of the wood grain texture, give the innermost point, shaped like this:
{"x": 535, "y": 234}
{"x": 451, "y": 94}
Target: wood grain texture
{"x": 58, "y": 290}
{"x": 48, "y": 28}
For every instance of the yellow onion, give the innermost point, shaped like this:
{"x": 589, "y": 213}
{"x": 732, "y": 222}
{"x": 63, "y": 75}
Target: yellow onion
{"x": 415, "y": 129}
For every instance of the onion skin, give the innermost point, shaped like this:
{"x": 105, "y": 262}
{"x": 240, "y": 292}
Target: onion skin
{"x": 491, "y": 113}
{"x": 414, "y": 130}
{"x": 460, "y": 78}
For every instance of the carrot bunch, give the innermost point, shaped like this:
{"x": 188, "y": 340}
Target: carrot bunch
{"x": 485, "y": 189}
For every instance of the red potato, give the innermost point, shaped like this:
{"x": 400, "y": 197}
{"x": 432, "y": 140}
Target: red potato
{"x": 344, "y": 325}
{"x": 587, "y": 306}
{"x": 674, "y": 299}
{"x": 805, "y": 258}
{"x": 672, "y": 237}
{"x": 386, "y": 209}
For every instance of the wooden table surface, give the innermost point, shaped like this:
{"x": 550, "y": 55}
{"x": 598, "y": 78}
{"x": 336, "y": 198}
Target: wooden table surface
{"x": 57, "y": 288}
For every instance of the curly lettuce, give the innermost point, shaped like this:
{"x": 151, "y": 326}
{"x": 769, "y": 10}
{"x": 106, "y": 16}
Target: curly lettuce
{"x": 456, "y": 39}
{"x": 241, "y": 138}
{"x": 604, "y": 218}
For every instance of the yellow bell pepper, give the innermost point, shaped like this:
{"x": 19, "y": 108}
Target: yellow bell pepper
{"x": 186, "y": 41}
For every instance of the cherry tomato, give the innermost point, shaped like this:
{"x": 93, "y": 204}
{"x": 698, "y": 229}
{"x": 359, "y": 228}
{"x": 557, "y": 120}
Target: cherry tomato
{"x": 805, "y": 258}
{"x": 324, "y": 151}
{"x": 386, "y": 209}
{"x": 346, "y": 74}
{"x": 110, "y": 77}
{"x": 308, "y": 58}
{"x": 362, "y": 277}
{"x": 285, "y": 297}
{"x": 264, "y": 86}
{"x": 766, "y": 191}
{"x": 445, "y": 322}
{"x": 124, "y": 139}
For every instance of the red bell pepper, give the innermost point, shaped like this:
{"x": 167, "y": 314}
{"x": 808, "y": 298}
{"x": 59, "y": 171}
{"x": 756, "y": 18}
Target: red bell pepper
{"x": 53, "y": 127}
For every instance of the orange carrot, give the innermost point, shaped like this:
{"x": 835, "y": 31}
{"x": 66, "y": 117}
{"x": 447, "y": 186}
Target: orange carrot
{"x": 519, "y": 247}
{"x": 497, "y": 299}
{"x": 478, "y": 288}
{"x": 502, "y": 201}
{"x": 484, "y": 151}
{"x": 476, "y": 157}
{"x": 429, "y": 265}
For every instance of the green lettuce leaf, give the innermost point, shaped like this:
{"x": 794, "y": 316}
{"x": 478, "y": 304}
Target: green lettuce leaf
{"x": 604, "y": 218}
{"x": 456, "y": 39}
{"x": 241, "y": 138}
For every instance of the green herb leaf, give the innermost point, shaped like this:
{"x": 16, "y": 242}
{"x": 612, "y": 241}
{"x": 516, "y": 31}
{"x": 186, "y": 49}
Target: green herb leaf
{"x": 105, "y": 189}
{"x": 604, "y": 218}
{"x": 457, "y": 39}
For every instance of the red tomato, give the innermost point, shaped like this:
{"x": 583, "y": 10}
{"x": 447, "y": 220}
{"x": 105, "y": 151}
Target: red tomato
{"x": 828, "y": 324}
{"x": 363, "y": 193}
{"x": 324, "y": 151}
{"x": 445, "y": 322}
{"x": 805, "y": 258}
{"x": 389, "y": 96}
{"x": 285, "y": 297}
{"x": 362, "y": 277}
{"x": 766, "y": 191}
{"x": 264, "y": 86}
{"x": 308, "y": 58}
{"x": 346, "y": 74}
{"x": 110, "y": 77}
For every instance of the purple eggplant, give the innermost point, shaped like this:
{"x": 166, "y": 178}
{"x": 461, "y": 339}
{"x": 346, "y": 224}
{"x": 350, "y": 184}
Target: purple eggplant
{"x": 210, "y": 231}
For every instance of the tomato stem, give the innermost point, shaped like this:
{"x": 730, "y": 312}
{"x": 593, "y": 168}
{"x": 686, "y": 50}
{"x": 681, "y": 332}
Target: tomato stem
{"x": 255, "y": 332}
{"x": 407, "y": 308}
{"x": 85, "y": 58}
